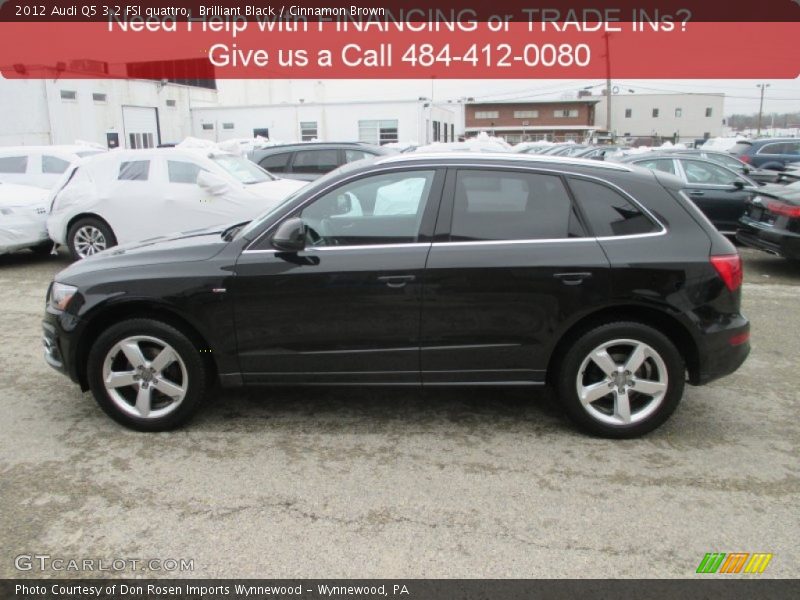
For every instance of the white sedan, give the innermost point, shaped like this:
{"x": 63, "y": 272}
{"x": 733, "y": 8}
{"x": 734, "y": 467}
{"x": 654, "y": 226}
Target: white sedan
{"x": 23, "y": 216}
{"x": 132, "y": 195}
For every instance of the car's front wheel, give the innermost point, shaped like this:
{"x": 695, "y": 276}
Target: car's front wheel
{"x": 89, "y": 236}
{"x": 621, "y": 380}
{"x": 147, "y": 375}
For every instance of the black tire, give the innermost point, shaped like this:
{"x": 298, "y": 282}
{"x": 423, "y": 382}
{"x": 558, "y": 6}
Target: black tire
{"x": 569, "y": 367}
{"x": 108, "y": 238}
{"x": 195, "y": 379}
{"x": 42, "y": 249}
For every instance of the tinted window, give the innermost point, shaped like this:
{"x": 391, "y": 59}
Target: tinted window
{"x": 354, "y": 155}
{"x": 383, "y": 209}
{"x": 315, "y": 161}
{"x": 775, "y": 148}
{"x": 51, "y": 164}
{"x": 707, "y": 173}
{"x": 609, "y": 212}
{"x": 659, "y": 164}
{"x": 182, "y": 172}
{"x": 728, "y": 161}
{"x": 500, "y": 205}
{"x": 275, "y": 163}
{"x": 137, "y": 170}
{"x": 13, "y": 164}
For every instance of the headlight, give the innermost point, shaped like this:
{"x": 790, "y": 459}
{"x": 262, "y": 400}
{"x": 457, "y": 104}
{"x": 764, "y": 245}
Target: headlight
{"x": 61, "y": 294}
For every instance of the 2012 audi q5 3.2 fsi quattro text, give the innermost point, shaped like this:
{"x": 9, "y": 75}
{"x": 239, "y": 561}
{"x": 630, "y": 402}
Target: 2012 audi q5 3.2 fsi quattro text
{"x": 602, "y": 280}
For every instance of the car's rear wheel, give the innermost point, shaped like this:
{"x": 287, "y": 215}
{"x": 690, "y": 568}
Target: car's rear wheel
{"x": 89, "y": 236}
{"x": 621, "y": 379}
{"x": 147, "y": 375}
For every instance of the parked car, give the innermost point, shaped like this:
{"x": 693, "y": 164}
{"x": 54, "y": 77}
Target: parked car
{"x": 39, "y": 166}
{"x": 771, "y": 222}
{"x": 23, "y": 213}
{"x": 458, "y": 269}
{"x": 760, "y": 176}
{"x": 768, "y": 153}
{"x": 309, "y": 161}
{"x": 718, "y": 191}
{"x": 130, "y": 195}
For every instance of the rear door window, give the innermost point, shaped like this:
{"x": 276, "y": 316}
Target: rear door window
{"x": 706, "y": 173}
{"x": 135, "y": 170}
{"x": 13, "y": 164}
{"x": 505, "y": 205}
{"x": 667, "y": 165}
{"x": 609, "y": 212}
{"x": 774, "y": 148}
{"x": 315, "y": 161}
{"x": 182, "y": 172}
{"x": 53, "y": 164}
{"x": 276, "y": 163}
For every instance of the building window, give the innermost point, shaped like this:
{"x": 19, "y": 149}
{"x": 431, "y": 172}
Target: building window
{"x": 208, "y": 126}
{"x": 487, "y": 114}
{"x": 308, "y": 131}
{"x": 655, "y": 113}
{"x": 678, "y": 112}
{"x": 227, "y": 125}
{"x": 628, "y": 113}
{"x": 69, "y": 95}
{"x": 172, "y": 103}
{"x": 565, "y": 113}
{"x": 378, "y": 132}
{"x": 709, "y": 111}
{"x": 526, "y": 114}
{"x": 437, "y": 131}
{"x": 141, "y": 140}
{"x": 100, "y": 98}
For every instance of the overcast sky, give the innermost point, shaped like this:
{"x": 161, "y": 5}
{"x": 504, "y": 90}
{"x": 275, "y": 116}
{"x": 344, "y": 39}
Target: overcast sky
{"x": 742, "y": 95}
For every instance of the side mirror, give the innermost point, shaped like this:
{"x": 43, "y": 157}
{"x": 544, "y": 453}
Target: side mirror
{"x": 290, "y": 236}
{"x": 212, "y": 183}
{"x": 738, "y": 186}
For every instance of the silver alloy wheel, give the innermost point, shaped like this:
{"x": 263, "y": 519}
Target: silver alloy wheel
{"x": 622, "y": 382}
{"x": 89, "y": 240}
{"x": 145, "y": 377}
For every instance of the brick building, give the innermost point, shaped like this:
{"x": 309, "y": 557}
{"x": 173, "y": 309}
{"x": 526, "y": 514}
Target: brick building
{"x": 518, "y": 121}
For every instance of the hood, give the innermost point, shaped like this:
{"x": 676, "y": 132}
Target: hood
{"x": 22, "y": 196}
{"x": 276, "y": 190}
{"x": 189, "y": 246}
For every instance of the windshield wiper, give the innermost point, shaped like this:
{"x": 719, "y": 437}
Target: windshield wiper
{"x": 231, "y": 231}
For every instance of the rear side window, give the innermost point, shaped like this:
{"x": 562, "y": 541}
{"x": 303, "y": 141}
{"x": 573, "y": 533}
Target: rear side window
{"x": 609, "y": 212}
{"x": 53, "y": 164}
{"x": 315, "y": 161}
{"x": 707, "y": 173}
{"x": 182, "y": 172}
{"x": 13, "y": 164}
{"x": 136, "y": 170}
{"x": 275, "y": 163}
{"x": 501, "y": 205}
{"x": 774, "y": 148}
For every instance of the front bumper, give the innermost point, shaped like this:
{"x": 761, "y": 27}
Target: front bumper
{"x": 59, "y": 344}
{"x": 722, "y": 350}
{"x": 763, "y": 237}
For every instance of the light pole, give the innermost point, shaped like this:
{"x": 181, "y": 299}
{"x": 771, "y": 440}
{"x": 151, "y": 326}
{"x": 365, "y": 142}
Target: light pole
{"x": 763, "y": 87}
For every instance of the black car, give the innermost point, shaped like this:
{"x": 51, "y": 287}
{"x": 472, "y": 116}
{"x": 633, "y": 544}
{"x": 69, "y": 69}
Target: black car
{"x": 419, "y": 270}
{"x": 718, "y": 191}
{"x": 760, "y": 176}
{"x": 311, "y": 160}
{"x": 768, "y": 153}
{"x": 771, "y": 222}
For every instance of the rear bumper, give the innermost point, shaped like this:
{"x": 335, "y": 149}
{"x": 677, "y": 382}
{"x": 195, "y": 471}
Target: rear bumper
{"x": 763, "y": 237}
{"x": 722, "y": 350}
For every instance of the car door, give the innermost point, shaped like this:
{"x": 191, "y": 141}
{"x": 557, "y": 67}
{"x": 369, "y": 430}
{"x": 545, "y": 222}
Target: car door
{"x": 347, "y": 308}
{"x": 129, "y": 199}
{"x": 712, "y": 188}
{"x": 511, "y": 265}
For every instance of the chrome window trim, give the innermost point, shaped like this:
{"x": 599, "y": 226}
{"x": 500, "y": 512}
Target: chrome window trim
{"x": 388, "y": 169}
{"x": 499, "y": 156}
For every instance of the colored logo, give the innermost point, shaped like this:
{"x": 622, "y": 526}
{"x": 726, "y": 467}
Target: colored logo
{"x": 734, "y": 562}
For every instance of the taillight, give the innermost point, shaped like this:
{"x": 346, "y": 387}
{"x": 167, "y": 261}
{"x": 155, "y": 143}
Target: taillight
{"x": 729, "y": 267}
{"x": 780, "y": 208}
{"x": 745, "y": 158}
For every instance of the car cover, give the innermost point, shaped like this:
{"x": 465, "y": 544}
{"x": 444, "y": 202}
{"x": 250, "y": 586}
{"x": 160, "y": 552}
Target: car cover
{"x": 23, "y": 214}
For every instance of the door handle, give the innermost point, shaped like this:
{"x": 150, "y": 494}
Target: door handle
{"x": 396, "y": 281}
{"x": 696, "y": 193}
{"x": 572, "y": 278}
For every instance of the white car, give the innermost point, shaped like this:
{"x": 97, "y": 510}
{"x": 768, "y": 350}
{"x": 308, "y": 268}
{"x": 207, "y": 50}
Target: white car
{"x": 132, "y": 195}
{"x": 23, "y": 216}
{"x": 40, "y": 166}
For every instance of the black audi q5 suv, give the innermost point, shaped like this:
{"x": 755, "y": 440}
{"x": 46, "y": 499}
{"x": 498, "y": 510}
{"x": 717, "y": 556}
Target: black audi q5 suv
{"x": 602, "y": 280}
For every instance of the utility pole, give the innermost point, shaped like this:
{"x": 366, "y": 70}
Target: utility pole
{"x": 763, "y": 87}
{"x": 608, "y": 87}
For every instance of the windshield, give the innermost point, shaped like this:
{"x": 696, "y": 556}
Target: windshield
{"x": 242, "y": 169}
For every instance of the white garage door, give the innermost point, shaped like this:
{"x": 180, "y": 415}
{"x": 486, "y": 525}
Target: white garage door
{"x": 141, "y": 126}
